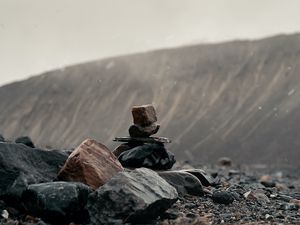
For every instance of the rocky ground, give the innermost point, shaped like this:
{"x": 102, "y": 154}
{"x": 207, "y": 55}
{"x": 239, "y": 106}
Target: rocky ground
{"x": 273, "y": 198}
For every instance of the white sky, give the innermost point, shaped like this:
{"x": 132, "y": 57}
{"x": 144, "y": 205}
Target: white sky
{"x": 39, "y": 35}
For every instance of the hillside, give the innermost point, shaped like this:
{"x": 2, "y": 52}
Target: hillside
{"x": 239, "y": 99}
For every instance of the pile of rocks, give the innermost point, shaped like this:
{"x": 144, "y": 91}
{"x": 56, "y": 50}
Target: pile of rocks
{"x": 91, "y": 184}
{"x": 140, "y": 149}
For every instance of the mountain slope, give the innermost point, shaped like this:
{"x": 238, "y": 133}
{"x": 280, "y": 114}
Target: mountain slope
{"x": 239, "y": 99}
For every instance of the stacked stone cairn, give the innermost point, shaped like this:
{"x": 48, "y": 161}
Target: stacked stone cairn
{"x": 140, "y": 149}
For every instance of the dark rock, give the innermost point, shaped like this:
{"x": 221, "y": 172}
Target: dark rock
{"x": 57, "y": 202}
{"x": 135, "y": 197}
{"x": 91, "y": 163}
{"x": 185, "y": 183}
{"x": 204, "y": 178}
{"x": 225, "y": 161}
{"x": 22, "y": 165}
{"x": 143, "y": 115}
{"x": 2, "y": 138}
{"x": 222, "y": 197}
{"x": 25, "y": 140}
{"x": 143, "y": 139}
{"x": 139, "y": 131}
{"x": 153, "y": 156}
{"x": 268, "y": 184}
{"x": 125, "y": 147}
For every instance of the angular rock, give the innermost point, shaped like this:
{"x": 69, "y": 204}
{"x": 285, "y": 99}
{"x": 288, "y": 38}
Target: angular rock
{"x": 57, "y": 202}
{"x": 185, "y": 183}
{"x": 222, "y": 197}
{"x": 22, "y": 165}
{"x": 153, "y": 156}
{"x": 91, "y": 163}
{"x": 144, "y": 115}
{"x": 134, "y": 197}
{"x": 139, "y": 131}
{"x": 25, "y": 140}
{"x": 2, "y": 138}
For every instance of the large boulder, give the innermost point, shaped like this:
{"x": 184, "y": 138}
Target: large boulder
{"x": 150, "y": 155}
{"x": 134, "y": 197}
{"x": 57, "y": 202}
{"x": 22, "y": 166}
{"x": 91, "y": 163}
{"x": 185, "y": 183}
{"x": 25, "y": 140}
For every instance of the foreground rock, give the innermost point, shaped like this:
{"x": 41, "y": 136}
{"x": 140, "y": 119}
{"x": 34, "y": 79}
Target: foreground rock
{"x": 57, "y": 202}
{"x": 26, "y": 141}
{"x": 153, "y": 156}
{"x": 185, "y": 183}
{"x": 91, "y": 163}
{"x": 22, "y": 165}
{"x": 135, "y": 197}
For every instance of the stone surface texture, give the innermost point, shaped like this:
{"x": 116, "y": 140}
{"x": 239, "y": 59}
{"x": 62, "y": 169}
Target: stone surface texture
{"x": 91, "y": 163}
{"x": 134, "y": 197}
{"x": 144, "y": 115}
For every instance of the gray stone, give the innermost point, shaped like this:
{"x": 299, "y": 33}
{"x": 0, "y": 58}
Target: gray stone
{"x": 133, "y": 197}
{"x": 204, "y": 178}
{"x": 143, "y": 115}
{"x": 185, "y": 183}
{"x": 57, "y": 202}
{"x": 222, "y": 197}
{"x": 22, "y": 166}
{"x": 25, "y": 140}
{"x": 2, "y": 139}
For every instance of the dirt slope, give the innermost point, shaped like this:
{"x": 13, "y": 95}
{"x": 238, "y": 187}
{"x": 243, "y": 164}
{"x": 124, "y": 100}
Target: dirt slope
{"x": 240, "y": 99}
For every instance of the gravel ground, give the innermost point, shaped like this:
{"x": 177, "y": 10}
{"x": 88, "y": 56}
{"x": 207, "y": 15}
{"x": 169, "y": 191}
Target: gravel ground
{"x": 241, "y": 195}
{"x": 274, "y": 198}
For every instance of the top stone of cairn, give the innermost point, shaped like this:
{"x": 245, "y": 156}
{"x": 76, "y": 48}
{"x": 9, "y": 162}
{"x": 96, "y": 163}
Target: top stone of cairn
{"x": 144, "y": 115}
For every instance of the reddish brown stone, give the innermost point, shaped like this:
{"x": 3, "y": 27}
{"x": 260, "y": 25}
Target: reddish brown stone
{"x": 144, "y": 115}
{"x": 91, "y": 163}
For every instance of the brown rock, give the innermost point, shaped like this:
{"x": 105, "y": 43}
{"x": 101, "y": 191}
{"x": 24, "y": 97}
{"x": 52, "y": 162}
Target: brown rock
{"x": 139, "y": 131}
{"x": 91, "y": 163}
{"x": 144, "y": 115}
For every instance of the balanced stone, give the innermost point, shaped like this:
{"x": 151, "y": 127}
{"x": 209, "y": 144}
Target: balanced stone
{"x": 153, "y": 156}
{"x": 139, "y": 131}
{"x": 144, "y": 115}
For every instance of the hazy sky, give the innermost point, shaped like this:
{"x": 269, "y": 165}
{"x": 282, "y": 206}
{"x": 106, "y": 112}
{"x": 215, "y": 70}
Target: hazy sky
{"x": 39, "y": 35}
